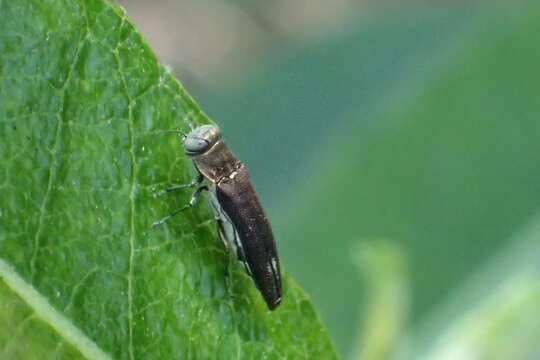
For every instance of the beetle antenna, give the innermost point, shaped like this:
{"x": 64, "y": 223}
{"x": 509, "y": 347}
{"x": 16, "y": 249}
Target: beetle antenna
{"x": 188, "y": 118}
{"x": 172, "y": 132}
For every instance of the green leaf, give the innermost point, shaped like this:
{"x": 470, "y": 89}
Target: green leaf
{"x": 82, "y": 275}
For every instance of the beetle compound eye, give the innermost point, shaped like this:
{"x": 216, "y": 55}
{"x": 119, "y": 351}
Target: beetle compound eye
{"x": 195, "y": 146}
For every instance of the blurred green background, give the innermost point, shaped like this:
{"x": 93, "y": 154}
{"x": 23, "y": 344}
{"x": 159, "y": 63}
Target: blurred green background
{"x": 395, "y": 147}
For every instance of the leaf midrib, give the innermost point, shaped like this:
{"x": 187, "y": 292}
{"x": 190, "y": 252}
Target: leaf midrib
{"x": 43, "y": 310}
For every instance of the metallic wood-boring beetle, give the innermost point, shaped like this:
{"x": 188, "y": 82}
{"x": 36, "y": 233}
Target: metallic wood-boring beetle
{"x": 242, "y": 223}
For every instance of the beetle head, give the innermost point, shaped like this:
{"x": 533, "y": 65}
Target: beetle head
{"x": 200, "y": 139}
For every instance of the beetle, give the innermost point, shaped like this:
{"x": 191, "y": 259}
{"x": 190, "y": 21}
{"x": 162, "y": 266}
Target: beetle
{"x": 242, "y": 222}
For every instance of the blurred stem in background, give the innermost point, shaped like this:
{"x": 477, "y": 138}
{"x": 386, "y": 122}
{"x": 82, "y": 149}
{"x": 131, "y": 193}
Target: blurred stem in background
{"x": 383, "y": 266}
{"x": 493, "y": 317}
{"x": 496, "y": 315}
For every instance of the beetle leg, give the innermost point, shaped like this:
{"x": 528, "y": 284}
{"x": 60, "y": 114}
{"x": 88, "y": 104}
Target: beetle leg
{"x": 196, "y": 181}
{"x": 192, "y": 201}
{"x": 229, "y": 279}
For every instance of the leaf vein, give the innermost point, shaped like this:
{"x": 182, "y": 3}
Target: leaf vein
{"x": 132, "y": 192}
{"x": 52, "y": 169}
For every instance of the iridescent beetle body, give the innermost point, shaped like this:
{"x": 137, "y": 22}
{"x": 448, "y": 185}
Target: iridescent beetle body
{"x": 241, "y": 219}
